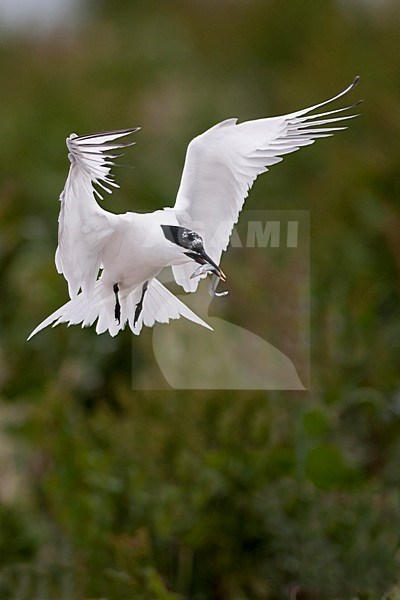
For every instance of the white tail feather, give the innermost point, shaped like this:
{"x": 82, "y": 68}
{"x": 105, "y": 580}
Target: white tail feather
{"x": 159, "y": 305}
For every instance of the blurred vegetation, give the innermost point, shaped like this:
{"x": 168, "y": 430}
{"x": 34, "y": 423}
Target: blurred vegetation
{"x": 108, "y": 492}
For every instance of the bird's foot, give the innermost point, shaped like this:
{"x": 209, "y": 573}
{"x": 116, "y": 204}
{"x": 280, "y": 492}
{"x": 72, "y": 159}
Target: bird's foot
{"x": 117, "y": 309}
{"x": 139, "y": 305}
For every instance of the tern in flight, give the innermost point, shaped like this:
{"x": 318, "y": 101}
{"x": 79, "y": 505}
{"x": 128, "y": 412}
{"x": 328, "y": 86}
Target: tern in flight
{"x": 111, "y": 262}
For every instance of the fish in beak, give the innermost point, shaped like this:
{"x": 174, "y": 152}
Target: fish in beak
{"x": 207, "y": 266}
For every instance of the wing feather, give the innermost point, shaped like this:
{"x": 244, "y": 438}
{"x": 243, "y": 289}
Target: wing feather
{"x": 222, "y": 164}
{"x": 83, "y": 226}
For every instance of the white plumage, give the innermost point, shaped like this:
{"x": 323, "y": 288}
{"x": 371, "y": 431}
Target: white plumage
{"x": 111, "y": 261}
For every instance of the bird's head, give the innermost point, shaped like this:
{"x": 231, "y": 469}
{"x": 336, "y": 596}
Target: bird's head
{"x": 192, "y": 246}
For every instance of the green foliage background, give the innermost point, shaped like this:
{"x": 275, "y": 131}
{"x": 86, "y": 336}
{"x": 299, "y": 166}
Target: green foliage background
{"x": 107, "y": 492}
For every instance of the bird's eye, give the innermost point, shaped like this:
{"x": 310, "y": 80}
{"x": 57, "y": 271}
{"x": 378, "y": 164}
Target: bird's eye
{"x": 191, "y": 236}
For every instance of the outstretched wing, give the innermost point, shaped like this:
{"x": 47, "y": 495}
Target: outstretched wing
{"x": 84, "y": 227}
{"x": 222, "y": 164}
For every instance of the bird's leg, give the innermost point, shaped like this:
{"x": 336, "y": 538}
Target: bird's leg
{"x": 139, "y": 305}
{"x": 117, "y": 310}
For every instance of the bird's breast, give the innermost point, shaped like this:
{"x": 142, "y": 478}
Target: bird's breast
{"x": 137, "y": 252}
